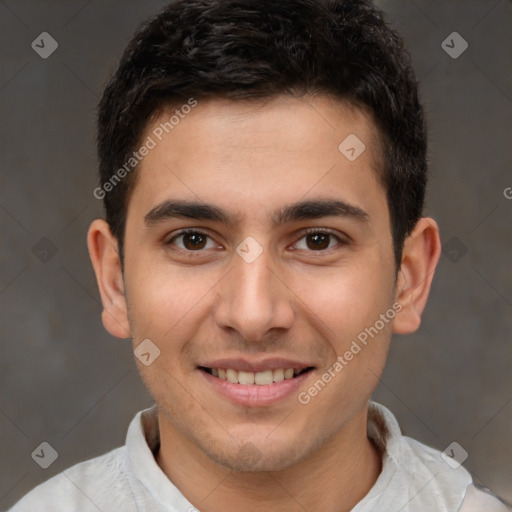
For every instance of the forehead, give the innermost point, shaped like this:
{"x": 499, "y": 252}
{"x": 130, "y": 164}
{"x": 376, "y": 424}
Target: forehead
{"x": 242, "y": 152}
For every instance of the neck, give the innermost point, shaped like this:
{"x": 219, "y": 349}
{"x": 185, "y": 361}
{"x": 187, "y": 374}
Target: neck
{"x": 334, "y": 478}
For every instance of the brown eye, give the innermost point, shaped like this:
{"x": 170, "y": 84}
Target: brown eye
{"x": 191, "y": 240}
{"x": 318, "y": 240}
{"x": 194, "y": 241}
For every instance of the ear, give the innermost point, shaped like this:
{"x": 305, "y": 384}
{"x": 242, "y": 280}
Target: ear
{"x": 420, "y": 255}
{"x": 104, "y": 253}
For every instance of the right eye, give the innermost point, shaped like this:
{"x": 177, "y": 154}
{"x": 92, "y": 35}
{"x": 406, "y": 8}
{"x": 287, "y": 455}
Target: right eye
{"x": 192, "y": 240}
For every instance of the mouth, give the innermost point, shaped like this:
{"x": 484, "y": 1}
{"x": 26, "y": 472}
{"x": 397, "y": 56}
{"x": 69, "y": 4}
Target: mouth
{"x": 261, "y": 378}
{"x": 269, "y": 383}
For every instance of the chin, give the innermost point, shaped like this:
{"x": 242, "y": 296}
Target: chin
{"x": 258, "y": 457}
{"x": 261, "y": 463}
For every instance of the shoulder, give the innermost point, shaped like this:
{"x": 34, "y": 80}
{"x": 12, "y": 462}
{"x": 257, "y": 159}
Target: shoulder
{"x": 447, "y": 469}
{"x": 435, "y": 478}
{"x": 87, "y": 486}
{"x": 482, "y": 499}
{"x": 422, "y": 468}
{"x": 453, "y": 482}
{"x": 423, "y": 477}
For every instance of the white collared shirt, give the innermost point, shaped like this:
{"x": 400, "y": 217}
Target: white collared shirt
{"x": 414, "y": 477}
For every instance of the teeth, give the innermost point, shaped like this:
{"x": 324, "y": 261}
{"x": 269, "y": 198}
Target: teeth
{"x": 260, "y": 378}
{"x": 278, "y": 375}
{"x": 246, "y": 378}
{"x": 232, "y": 376}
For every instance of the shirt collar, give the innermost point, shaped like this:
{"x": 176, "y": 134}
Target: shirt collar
{"x": 384, "y": 431}
{"x": 146, "y": 476}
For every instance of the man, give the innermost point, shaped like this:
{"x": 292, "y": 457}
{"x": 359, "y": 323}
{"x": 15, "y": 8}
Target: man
{"x": 263, "y": 170}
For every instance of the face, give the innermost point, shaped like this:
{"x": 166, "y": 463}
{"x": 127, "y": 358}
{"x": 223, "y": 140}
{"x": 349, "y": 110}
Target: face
{"x": 287, "y": 263}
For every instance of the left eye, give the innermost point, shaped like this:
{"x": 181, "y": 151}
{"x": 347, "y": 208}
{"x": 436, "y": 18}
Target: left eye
{"x": 319, "y": 240}
{"x": 193, "y": 240}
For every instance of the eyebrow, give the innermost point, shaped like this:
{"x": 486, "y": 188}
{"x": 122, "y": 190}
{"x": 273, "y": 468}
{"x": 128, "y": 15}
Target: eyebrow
{"x": 302, "y": 210}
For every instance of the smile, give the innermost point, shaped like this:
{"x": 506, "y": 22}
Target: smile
{"x": 262, "y": 378}
{"x": 255, "y": 389}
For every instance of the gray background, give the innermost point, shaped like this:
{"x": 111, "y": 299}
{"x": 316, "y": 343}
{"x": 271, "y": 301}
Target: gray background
{"x": 64, "y": 380}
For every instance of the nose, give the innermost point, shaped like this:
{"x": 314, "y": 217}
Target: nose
{"x": 253, "y": 299}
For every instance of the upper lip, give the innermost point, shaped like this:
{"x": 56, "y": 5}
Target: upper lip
{"x": 260, "y": 365}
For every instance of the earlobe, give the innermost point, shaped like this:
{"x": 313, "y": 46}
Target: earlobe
{"x": 103, "y": 250}
{"x": 420, "y": 256}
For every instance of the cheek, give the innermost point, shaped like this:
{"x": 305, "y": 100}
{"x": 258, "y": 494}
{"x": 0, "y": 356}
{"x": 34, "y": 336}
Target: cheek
{"x": 347, "y": 299}
{"x": 162, "y": 297}
{"x": 348, "y": 307}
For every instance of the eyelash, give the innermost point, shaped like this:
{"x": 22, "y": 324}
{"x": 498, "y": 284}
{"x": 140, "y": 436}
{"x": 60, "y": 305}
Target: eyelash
{"x": 309, "y": 231}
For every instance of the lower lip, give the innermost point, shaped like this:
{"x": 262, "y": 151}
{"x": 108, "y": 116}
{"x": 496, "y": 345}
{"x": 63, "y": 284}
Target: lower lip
{"x": 254, "y": 394}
